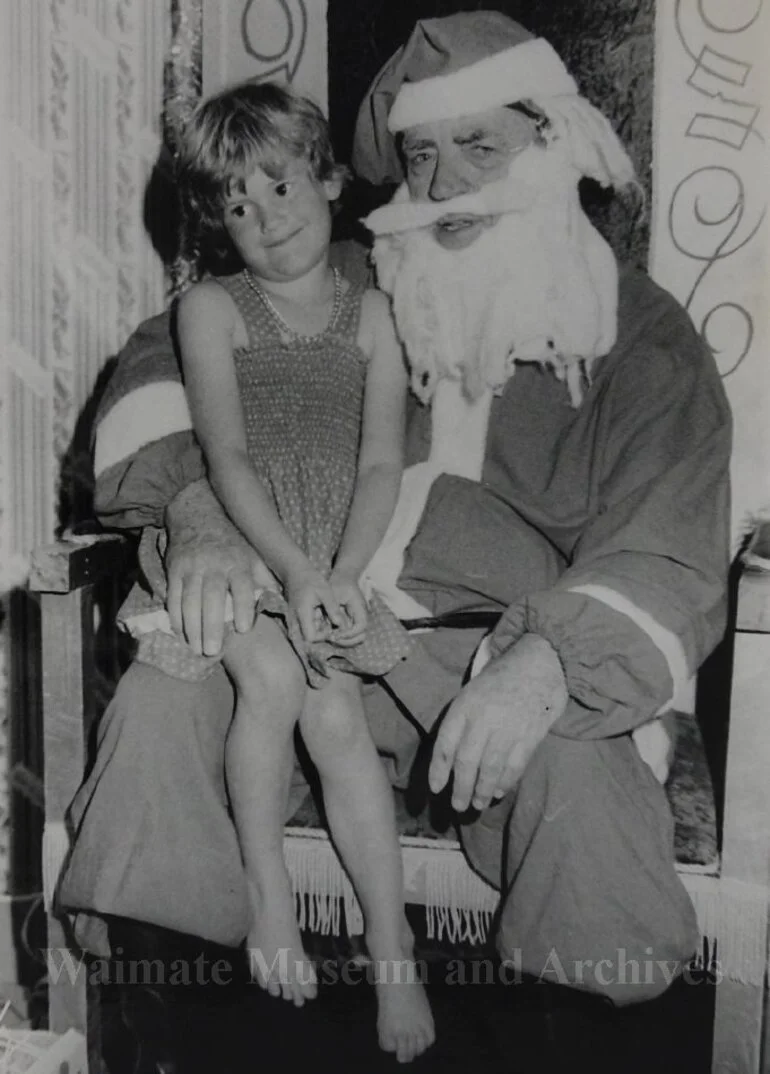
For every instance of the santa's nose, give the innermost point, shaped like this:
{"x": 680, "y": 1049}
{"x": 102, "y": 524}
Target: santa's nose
{"x": 448, "y": 182}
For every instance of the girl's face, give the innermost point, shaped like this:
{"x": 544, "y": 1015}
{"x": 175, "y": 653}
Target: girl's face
{"x": 281, "y": 227}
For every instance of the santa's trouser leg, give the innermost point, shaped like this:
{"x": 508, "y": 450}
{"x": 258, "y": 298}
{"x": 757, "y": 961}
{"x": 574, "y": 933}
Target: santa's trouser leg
{"x": 403, "y": 708}
{"x": 591, "y": 896}
{"x": 154, "y": 840}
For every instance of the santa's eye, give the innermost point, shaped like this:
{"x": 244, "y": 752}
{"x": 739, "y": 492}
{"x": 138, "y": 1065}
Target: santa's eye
{"x": 418, "y": 157}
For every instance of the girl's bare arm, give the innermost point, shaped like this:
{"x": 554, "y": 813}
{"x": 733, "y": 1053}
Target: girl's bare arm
{"x": 206, "y": 325}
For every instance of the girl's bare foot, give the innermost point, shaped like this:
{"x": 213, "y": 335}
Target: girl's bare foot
{"x": 277, "y": 960}
{"x": 404, "y": 1019}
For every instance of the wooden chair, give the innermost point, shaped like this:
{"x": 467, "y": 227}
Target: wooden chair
{"x": 730, "y": 897}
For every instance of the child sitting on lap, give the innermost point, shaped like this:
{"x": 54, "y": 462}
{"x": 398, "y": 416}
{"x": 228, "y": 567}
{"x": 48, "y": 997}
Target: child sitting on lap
{"x": 297, "y": 386}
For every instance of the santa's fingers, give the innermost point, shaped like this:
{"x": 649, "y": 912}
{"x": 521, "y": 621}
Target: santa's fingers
{"x": 491, "y": 770}
{"x": 511, "y": 773}
{"x": 468, "y": 755}
{"x": 445, "y": 749}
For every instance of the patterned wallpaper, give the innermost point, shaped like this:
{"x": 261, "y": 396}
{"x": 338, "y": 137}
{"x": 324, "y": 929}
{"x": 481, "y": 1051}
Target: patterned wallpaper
{"x": 710, "y": 237}
{"x": 84, "y": 84}
{"x": 284, "y": 40}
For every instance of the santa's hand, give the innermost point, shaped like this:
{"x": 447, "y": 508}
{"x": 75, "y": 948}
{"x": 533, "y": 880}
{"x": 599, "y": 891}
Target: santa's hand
{"x": 206, "y": 560}
{"x": 496, "y": 722}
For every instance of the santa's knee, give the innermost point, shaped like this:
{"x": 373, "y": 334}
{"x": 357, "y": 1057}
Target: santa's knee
{"x": 592, "y": 897}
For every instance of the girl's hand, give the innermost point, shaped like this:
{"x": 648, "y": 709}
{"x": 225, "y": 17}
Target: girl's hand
{"x": 353, "y": 605}
{"x": 313, "y": 601}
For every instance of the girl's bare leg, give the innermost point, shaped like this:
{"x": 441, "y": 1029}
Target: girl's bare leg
{"x": 359, "y": 805}
{"x": 259, "y": 755}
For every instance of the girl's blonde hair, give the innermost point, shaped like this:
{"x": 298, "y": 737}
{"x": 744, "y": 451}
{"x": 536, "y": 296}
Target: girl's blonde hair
{"x": 253, "y": 124}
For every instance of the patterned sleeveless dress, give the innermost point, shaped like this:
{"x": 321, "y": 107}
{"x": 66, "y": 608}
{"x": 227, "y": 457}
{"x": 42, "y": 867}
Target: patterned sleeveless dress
{"x": 302, "y": 399}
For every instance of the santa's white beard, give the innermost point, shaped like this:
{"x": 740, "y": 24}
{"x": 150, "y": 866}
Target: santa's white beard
{"x": 540, "y": 285}
{"x": 537, "y": 286}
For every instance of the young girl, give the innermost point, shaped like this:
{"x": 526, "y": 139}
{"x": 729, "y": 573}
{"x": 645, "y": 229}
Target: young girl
{"x": 297, "y": 385}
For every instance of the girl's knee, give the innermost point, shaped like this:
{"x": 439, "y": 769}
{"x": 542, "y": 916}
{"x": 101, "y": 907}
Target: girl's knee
{"x": 334, "y": 723}
{"x": 267, "y": 680}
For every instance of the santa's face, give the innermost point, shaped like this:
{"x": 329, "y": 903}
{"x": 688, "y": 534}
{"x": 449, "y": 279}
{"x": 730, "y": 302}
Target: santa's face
{"x": 450, "y": 157}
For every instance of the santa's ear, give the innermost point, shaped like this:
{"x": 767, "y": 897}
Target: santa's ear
{"x": 333, "y": 187}
{"x": 335, "y": 182}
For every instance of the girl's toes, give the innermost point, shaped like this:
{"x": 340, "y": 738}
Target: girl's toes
{"x": 308, "y": 980}
{"x": 388, "y": 1042}
{"x": 407, "y": 1050}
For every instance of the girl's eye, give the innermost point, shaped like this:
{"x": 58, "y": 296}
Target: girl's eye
{"x": 239, "y": 211}
{"x": 282, "y": 189}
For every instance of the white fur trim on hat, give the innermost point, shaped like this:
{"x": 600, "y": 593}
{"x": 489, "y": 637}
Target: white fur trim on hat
{"x": 532, "y": 69}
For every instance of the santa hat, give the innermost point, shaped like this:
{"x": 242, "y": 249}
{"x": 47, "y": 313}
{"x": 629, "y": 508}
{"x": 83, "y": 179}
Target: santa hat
{"x": 471, "y": 62}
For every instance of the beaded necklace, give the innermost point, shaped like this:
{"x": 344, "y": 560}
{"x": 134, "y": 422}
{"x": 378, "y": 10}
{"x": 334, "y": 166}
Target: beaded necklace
{"x": 280, "y": 320}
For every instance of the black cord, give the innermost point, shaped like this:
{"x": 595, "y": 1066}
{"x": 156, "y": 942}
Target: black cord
{"x": 454, "y": 620}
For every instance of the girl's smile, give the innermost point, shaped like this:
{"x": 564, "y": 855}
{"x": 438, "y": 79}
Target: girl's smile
{"x": 270, "y": 245}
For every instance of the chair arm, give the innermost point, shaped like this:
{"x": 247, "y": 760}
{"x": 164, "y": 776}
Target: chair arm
{"x": 68, "y": 576}
{"x": 739, "y": 900}
{"x": 753, "y": 612}
{"x": 746, "y": 830}
{"x": 78, "y": 561}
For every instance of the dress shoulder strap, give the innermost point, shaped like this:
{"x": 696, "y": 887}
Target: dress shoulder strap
{"x": 260, "y": 326}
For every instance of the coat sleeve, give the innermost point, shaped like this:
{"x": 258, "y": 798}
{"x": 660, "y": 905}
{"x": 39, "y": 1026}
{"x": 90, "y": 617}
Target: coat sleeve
{"x": 643, "y": 601}
{"x": 144, "y": 448}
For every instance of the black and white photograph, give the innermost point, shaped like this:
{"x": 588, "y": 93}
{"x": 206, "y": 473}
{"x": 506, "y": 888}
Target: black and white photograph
{"x": 384, "y": 537}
